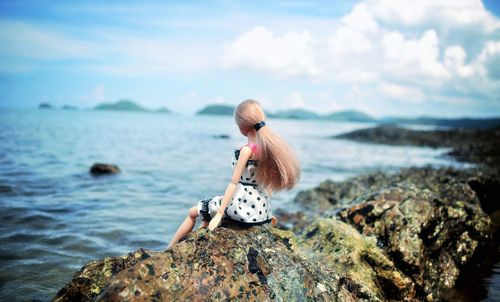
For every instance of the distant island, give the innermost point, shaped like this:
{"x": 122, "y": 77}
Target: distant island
{"x": 45, "y": 106}
{"x": 361, "y": 117}
{"x": 128, "y": 105}
{"x": 295, "y": 114}
{"x": 217, "y": 110}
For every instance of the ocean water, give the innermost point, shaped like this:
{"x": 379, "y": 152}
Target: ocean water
{"x": 55, "y": 216}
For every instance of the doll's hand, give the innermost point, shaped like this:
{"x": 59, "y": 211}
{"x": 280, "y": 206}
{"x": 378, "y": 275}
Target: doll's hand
{"x": 214, "y": 222}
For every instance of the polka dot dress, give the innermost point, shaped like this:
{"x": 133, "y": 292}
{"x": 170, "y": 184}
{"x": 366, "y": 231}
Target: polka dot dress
{"x": 250, "y": 203}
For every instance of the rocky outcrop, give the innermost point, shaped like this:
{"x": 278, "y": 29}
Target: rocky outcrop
{"x": 381, "y": 237}
{"x": 89, "y": 281}
{"x": 471, "y": 185}
{"x": 102, "y": 169}
{"x": 480, "y": 146}
{"x": 428, "y": 237}
{"x": 246, "y": 264}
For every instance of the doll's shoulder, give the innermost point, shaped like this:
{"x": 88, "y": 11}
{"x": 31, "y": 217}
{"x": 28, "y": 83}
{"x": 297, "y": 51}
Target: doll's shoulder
{"x": 253, "y": 147}
{"x": 244, "y": 150}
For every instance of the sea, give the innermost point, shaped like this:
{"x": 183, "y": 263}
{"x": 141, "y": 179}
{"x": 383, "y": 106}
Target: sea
{"x": 55, "y": 216}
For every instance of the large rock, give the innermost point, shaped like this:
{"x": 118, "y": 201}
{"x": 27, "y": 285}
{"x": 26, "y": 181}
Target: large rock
{"x": 102, "y": 169}
{"x": 247, "y": 264}
{"x": 404, "y": 237}
{"x": 363, "y": 267}
{"x": 432, "y": 223}
{"x": 472, "y": 185}
{"x": 429, "y": 238}
{"x": 330, "y": 195}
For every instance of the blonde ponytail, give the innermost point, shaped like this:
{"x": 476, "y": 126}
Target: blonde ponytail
{"x": 279, "y": 168}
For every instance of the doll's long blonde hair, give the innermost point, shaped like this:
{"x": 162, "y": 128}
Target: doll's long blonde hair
{"x": 278, "y": 166}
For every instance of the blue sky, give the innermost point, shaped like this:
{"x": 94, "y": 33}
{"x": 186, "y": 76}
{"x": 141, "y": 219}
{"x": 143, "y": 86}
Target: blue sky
{"x": 407, "y": 58}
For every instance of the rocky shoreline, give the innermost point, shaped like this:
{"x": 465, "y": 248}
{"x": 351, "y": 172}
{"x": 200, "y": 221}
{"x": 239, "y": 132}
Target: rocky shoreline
{"x": 479, "y": 146}
{"x": 407, "y": 236}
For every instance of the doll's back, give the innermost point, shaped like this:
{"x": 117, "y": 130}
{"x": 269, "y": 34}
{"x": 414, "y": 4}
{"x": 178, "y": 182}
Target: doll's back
{"x": 251, "y": 202}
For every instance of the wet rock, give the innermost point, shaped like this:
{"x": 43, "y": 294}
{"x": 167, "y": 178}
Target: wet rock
{"x": 474, "y": 185}
{"x": 292, "y": 221}
{"x": 102, "y": 169}
{"x": 89, "y": 281}
{"x": 330, "y": 195}
{"x": 250, "y": 264}
{"x": 366, "y": 271}
{"x": 429, "y": 238}
{"x": 432, "y": 223}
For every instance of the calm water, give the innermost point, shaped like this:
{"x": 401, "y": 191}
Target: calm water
{"x": 55, "y": 217}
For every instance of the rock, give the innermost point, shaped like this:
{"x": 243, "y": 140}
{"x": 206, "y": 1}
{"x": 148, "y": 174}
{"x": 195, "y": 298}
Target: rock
{"x": 329, "y": 194}
{"x": 88, "y": 282}
{"x": 474, "y": 185}
{"x": 45, "y": 106}
{"x": 407, "y": 236}
{"x": 430, "y": 238}
{"x": 250, "y": 264}
{"x": 432, "y": 223}
{"x": 363, "y": 267}
{"x": 101, "y": 169}
{"x": 480, "y": 146}
{"x": 221, "y": 136}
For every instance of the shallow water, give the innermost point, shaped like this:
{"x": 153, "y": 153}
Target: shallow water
{"x": 55, "y": 217}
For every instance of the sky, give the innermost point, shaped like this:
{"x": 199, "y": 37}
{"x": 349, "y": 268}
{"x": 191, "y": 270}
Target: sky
{"x": 406, "y": 58}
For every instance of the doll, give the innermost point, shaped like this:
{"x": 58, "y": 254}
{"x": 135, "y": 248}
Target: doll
{"x": 266, "y": 164}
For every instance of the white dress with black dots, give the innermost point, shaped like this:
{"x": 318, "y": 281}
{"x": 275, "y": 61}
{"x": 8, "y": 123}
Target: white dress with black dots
{"x": 250, "y": 204}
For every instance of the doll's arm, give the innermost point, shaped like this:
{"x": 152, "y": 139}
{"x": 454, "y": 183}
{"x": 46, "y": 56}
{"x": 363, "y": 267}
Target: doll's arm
{"x": 245, "y": 154}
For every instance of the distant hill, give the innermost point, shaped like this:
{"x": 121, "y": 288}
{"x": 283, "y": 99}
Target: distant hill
{"x": 69, "y": 107}
{"x": 125, "y": 105}
{"x": 128, "y": 105}
{"x": 296, "y": 114}
{"x": 361, "y": 117}
{"x": 217, "y": 110}
{"x": 349, "y": 116}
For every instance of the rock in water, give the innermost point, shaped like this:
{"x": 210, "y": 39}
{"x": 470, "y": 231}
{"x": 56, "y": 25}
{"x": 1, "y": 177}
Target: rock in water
{"x": 101, "y": 169}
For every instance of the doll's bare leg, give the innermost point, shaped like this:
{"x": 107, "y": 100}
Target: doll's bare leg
{"x": 204, "y": 224}
{"x": 186, "y": 227}
{"x": 274, "y": 221}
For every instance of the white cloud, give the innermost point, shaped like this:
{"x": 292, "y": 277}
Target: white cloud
{"x": 489, "y": 59}
{"x": 454, "y": 60}
{"x": 409, "y": 54}
{"x": 347, "y": 41}
{"x": 401, "y": 93}
{"x": 360, "y": 19}
{"x": 442, "y": 13}
{"x": 407, "y": 51}
{"x": 258, "y": 49}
